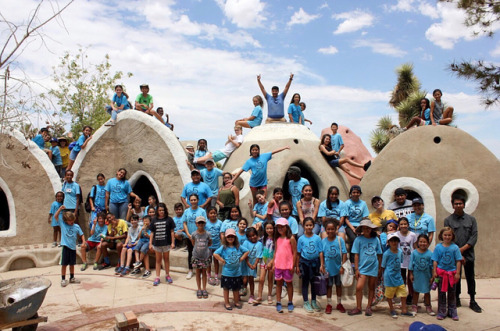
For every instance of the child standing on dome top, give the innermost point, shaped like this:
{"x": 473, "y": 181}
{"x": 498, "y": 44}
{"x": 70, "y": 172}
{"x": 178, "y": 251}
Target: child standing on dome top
{"x": 275, "y": 106}
{"x": 294, "y": 110}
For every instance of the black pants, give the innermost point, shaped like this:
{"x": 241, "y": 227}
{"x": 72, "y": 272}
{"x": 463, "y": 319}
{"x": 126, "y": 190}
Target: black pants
{"x": 190, "y": 253}
{"x": 471, "y": 281}
{"x": 352, "y": 236}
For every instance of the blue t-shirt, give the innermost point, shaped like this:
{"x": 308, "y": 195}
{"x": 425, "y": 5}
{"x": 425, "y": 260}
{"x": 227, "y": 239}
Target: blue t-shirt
{"x": 211, "y": 178}
{"x": 71, "y": 190}
{"x": 98, "y": 231}
{"x": 258, "y": 165}
{"x": 275, "y": 107}
{"x": 447, "y": 257}
{"x": 79, "y": 143}
{"x": 295, "y": 111}
{"x": 421, "y": 265}
{"x": 257, "y": 113}
{"x": 302, "y": 118}
{"x": 201, "y": 189}
{"x": 333, "y": 250}
{"x": 338, "y": 210}
{"x": 336, "y": 141}
{"x": 229, "y": 224}
{"x": 260, "y": 209}
{"x": 421, "y": 224}
{"x": 242, "y": 238}
{"x": 120, "y": 101}
{"x": 295, "y": 190}
{"x": 255, "y": 252}
{"x": 232, "y": 257}
{"x": 309, "y": 247}
{"x": 214, "y": 229}
{"x": 368, "y": 249}
{"x": 118, "y": 190}
{"x": 391, "y": 262}
{"x": 189, "y": 217}
{"x": 56, "y": 155}
{"x": 69, "y": 235}
{"x": 294, "y": 226}
{"x": 179, "y": 225}
{"x": 142, "y": 237}
{"x": 356, "y": 211}
{"x": 53, "y": 209}
{"x": 99, "y": 195}
{"x": 198, "y": 154}
{"x": 38, "y": 139}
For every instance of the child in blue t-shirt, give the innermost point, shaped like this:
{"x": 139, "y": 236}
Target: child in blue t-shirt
{"x": 81, "y": 143}
{"x": 231, "y": 255}
{"x": 259, "y": 211}
{"x": 285, "y": 211}
{"x": 213, "y": 227}
{"x": 69, "y": 235}
{"x": 266, "y": 264}
{"x": 446, "y": 262}
{"x": 98, "y": 231}
{"x": 179, "y": 233}
{"x": 393, "y": 280}
{"x": 367, "y": 257}
{"x": 52, "y": 221}
{"x": 142, "y": 248}
{"x": 309, "y": 261}
{"x": 356, "y": 210}
{"x": 250, "y": 265}
{"x": 420, "y": 269}
{"x": 334, "y": 255}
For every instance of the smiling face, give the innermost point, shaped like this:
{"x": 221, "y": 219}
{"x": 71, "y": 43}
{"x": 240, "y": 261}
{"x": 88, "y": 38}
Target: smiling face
{"x": 331, "y": 231}
{"x": 437, "y": 95}
{"x": 400, "y": 199}
{"x": 307, "y": 191}
{"x": 282, "y": 230}
{"x": 253, "y": 237}
{"x": 100, "y": 220}
{"x": 403, "y": 226}
{"x": 255, "y": 102}
{"x": 333, "y": 196}
{"x": 296, "y": 98}
{"x": 234, "y": 214}
{"x": 227, "y": 178}
{"x": 101, "y": 180}
{"x": 118, "y": 91}
{"x": 447, "y": 237}
{"x": 366, "y": 231}
{"x": 68, "y": 177}
{"x": 275, "y": 92}
{"x": 242, "y": 225}
{"x": 230, "y": 240}
{"x": 334, "y": 129}
{"x": 378, "y": 203}
{"x": 423, "y": 244}
{"x": 285, "y": 211}
{"x": 212, "y": 215}
{"x": 151, "y": 212}
{"x": 423, "y": 104}
{"x": 200, "y": 225}
{"x": 60, "y": 197}
{"x": 327, "y": 141}
{"x": 418, "y": 208}
{"x": 202, "y": 145}
{"x": 308, "y": 227}
{"x": 135, "y": 222}
{"x": 278, "y": 196}
{"x": 196, "y": 177}
{"x": 269, "y": 230}
{"x": 393, "y": 244}
{"x": 255, "y": 151}
{"x": 194, "y": 201}
{"x": 355, "y": 194}
{"x": 120, "y": 174}
{"x": 137, "y": 203}
{"x": 178, "y": 211}
{"x": 87, "y": 131}
{"x": 261, "y": 199}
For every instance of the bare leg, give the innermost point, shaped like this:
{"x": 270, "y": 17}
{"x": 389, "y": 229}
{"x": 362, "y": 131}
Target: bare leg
{"x": 236, "y": 296}
{"x": 130, "y": 252}
{"x": 447, "y": 116}
{"x": 158, "y": 264}
{"x": 289, "y": 290}
{"x": 279, "y": 285}
{"x": 359, "y": 291}
{"x": 347, "y": 170}
{"x": 166, "y": 261}
{"x": 226, "y": 298}
{"x": 198, "y": 278}
{"x": 404, "y": 309}
{"x": 252, "y": 285}
{"x": 262, "y": 280}
{"x": 372, "y": 282}
{"x": 414, "y": 121}
{"x": 98, "y": 254}
{"x": 122, "y": 257}
{"x": 203, "y": 159}
{"x": 83, "y": 251}
{"x": 391, "y": 305}
{"x": 242, "y": 124}
{"x": 204, "y": 278}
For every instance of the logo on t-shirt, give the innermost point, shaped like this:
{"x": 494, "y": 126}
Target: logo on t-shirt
{"x": 259, "y": 165}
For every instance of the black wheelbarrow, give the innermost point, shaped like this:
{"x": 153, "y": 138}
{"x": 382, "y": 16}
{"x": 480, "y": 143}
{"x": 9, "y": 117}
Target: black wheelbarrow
{"x": 20, "y": 299}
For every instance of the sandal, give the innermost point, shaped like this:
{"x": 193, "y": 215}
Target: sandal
{"x": 228, "y": 308}
{"x": 239, "y": 306}
{"x": 269, "y": 300}
{"x": 199, "y": 294}
{"x": 205, "y": 294}
{"x": 257, "y": 301}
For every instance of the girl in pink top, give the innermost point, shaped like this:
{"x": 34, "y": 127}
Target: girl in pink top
{"x": 283, "y": 261}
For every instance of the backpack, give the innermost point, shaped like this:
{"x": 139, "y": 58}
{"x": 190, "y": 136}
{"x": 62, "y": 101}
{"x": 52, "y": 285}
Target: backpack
{"x": 88, "y": 206}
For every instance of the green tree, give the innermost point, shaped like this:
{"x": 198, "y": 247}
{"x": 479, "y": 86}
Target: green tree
{"x": 83, "y": 89}
{"x": 481, "y": 15}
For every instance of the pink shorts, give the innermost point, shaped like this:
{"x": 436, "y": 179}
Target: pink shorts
{"x": 285, "y": 274}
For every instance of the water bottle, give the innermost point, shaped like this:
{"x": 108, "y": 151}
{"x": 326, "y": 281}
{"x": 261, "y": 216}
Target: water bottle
{"x": 435, "y": 283}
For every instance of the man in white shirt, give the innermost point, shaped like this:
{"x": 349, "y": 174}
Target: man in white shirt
{"x": 232, "y": 143}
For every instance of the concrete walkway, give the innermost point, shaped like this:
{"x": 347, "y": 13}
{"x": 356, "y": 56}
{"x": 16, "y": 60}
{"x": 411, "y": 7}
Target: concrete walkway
{"x": 92, "y": 305}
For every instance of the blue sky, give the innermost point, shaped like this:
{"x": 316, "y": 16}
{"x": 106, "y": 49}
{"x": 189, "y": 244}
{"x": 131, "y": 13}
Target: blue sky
{"x": 201, "y": 57}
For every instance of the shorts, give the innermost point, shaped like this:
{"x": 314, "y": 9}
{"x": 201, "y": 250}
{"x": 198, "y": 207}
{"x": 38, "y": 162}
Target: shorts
{"x": 73, "y": 154}
{"x": 334, "y": 163}
{"x": 142, "y": 246}
{"x": 162, "y": 249}
{"x": 334, "y": 280}
{"x": 256, "y": 188}
{"x": 200, "y": 263}
{"x": 114, "y": 242}
{"x": 130, "y": 246}
{"x": 218, "y": 155}
{"x": 181, "y": 233}
{"x": 398, "y": 291}
{"x": 212, "y": 251}
{"x": 68, "y": 256}
{"x": 285, "y": 274}
{"x": 91, "y": 245}
{"x": 231, "y": 283}
{"x": 254, "y": 123}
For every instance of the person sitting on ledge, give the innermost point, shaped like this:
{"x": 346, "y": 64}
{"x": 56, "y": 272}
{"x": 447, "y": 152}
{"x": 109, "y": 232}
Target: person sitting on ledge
{"x": 144, "y": 103}
{"x": 232, "y": 143}
{"x": 169, "y": 125}
{"x": 275, "y": 106}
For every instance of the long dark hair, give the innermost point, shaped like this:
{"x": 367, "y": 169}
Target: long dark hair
{"x": 328, "y": 202}
{"x": 164, "y": 206}
{"x": 293, "y": 97}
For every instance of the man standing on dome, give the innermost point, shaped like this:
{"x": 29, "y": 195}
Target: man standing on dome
{"x": 275, "y": 101}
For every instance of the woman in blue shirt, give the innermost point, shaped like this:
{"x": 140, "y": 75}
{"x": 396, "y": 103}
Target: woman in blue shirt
{"x": 118, "y": 191}
{"x": 119, "y": 104}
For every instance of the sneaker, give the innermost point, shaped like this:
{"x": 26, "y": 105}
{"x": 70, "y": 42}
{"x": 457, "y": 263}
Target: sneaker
{"x": 64, "y": 283}
{"x": 340, "y": 308}
{"x": 455, "y": 317}
{"x": 211, "y": 281}
{"x": 84, "y": 267}
{"x": 189, "y": 275}
{"x": 74, "y": 281}
{"x": 315, "y": 305}
{"x": 104, "y": 266}
{"x": 354, "y": 311}
{"x": 124, "y": 272}
{"x": 109, "y": 123}
{"x": 475, "y": 307}
{"x": 414, "y": 310}
{"x": 135, "y": 272}
{"x": 243, "y": 292}
{"x": 156, "y": 282}
{"x": 279, "y": 308}
{"x": 394, "y": 314}
{"x": 328, "y": 309}
{"x": 146, "y": 274}
{"x": 217, "y": 281}
{"x": 367, "y": 165}
{"x": 429, "y": 311}
{"x": 251, "y": 300}
{"x": 368, "y": 311}
{"x": 58, "y": 244}
{"x": 308, "y": 308}
{"x": 169, "y": 279}
{"x": 440, "y": 317}
{"x": 290, "y": 307}
{"x": 118, "y": 270}
{"x": 408, "y": 314}
{"x": 96, "y": 266}
{"x": 54, "y": 244}
{"x": 137, "y": 265}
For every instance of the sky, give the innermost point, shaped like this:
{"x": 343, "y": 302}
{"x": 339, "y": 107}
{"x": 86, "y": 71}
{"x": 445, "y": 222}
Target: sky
{"x": 201, "y": 57}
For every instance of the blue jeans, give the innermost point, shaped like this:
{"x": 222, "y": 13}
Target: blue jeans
{"x": 316, "y": 229}
{"x": 112, "y": 112}
{"x": 119, "y": 209}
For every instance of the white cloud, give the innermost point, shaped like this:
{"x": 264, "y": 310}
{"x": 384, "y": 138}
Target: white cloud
{"x": 244, "y": 13}
{"x": 301, "y": 17}
{"x": 401, "y": 5}
{"x": 380, "y": 47}
{"x": 353, "y": 21}
{"x": 328, "y": 50}
{"x": 420, "y": 6}
{"x": 428, "y": 10}
{"x": 496, "y": 51}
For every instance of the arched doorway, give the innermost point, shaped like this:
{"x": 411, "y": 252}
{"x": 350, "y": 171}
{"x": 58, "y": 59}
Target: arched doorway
{"x": 144, "y": 185}
{"x": 7, "y": 211}
{"x": 4, "y": 212}
{"x": 305, "y": 173}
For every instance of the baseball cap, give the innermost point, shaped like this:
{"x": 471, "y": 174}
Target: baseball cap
{"x": 417, "y": 201}
{"x": 195, "y": 171}
{"x": 400, "y": 191}
{"x": 53, "y": 140}
{"x": 200, "y": 219}
{"x": 210, "y": 160}
{"x": 282, "y": 221}
{"x": 393, "y": 236}
{"x": 230, "y": 232}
